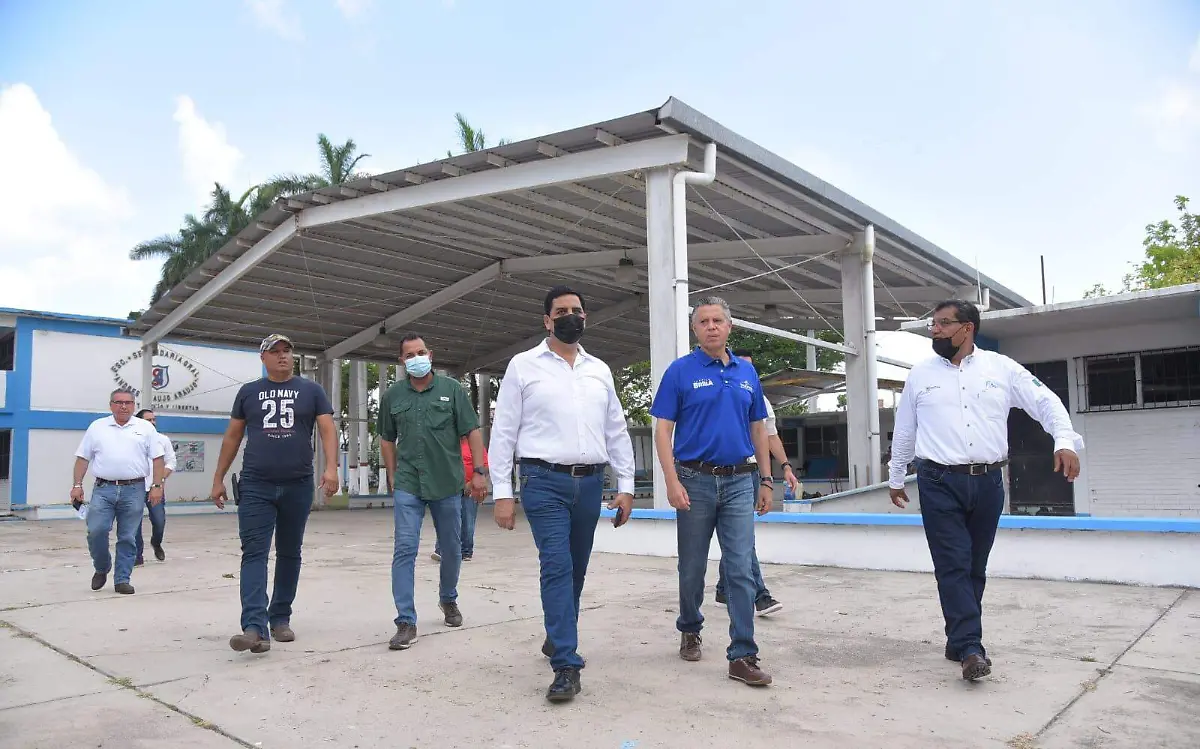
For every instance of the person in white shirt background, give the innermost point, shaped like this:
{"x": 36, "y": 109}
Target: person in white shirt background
{"x": 764, "y": 602}
{"x": 121, "y": 452}
{"x": 558, "y": 412}
{"x": 158, "y": 512}
{"x": 953, "y": 419}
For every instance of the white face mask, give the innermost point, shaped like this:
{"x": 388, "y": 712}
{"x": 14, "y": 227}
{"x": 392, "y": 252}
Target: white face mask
{"x": 418, "y": 366}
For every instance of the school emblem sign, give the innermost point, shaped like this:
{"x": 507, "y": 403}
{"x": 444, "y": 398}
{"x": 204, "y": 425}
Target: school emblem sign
{"x": 174, "y": 377}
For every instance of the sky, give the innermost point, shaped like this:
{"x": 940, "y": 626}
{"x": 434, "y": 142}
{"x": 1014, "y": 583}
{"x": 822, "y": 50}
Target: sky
{"x": 1002, "y": 131}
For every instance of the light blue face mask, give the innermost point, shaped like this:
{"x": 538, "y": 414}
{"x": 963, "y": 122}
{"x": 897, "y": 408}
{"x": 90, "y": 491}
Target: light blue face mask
{"x": 418, "y": 366}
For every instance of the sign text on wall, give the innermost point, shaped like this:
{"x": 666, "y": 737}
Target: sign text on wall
{"x": 174, "y": 378}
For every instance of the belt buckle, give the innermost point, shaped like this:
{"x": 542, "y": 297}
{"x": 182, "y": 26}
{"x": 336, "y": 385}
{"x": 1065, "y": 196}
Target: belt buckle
{"x": 722, "y": 470}
{"x": 578, "y": 471}
{"x": 981, "y": 466}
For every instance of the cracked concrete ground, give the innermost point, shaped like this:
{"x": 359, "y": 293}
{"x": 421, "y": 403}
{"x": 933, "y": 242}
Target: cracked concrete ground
{"x": 856, "y": 656}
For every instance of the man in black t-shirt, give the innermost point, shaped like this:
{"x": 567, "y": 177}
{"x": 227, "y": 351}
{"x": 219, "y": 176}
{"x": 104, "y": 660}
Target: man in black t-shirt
{"x": 276, "y": 414}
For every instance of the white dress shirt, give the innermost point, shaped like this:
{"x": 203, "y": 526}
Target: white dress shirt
{"x": 956, "y": 415}
{"x": 551, "y": 411}
{"x": 168, "y": 457}
{"x": 771, "y": 428}
{"x": 119, "y": 453}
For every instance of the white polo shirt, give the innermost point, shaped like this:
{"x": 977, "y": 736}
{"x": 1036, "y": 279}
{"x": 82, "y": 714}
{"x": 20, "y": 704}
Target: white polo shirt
{"x": 118, "y": 453}
{"x": 955, "y": 415}
{"x": 168, "y": 457}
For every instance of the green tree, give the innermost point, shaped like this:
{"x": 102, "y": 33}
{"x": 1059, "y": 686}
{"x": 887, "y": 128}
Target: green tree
{"x": 470, "y": 138}
{"x": 337, "y": 165}
{"x": 1172, "y": 252}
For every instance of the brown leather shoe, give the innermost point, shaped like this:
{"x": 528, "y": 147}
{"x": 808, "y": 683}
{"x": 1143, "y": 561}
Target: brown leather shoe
{"x": 283, "y": 632}
{"x": 974, "y": 666}
{"x": 250, "y": 640}
{"x": 689, "y": 646}
{"x": 98, "y": 580}
{"x": 746, "y": 670}
{"x": 451, "y": 612}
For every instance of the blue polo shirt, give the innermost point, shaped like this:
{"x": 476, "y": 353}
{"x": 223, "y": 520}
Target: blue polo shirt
{"x": 712, "y": 405}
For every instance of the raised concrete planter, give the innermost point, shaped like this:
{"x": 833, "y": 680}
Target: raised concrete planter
{"x": 1115, "y": 550}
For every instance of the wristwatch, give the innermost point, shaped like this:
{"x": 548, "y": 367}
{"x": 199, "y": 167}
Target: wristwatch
{"x": 482, "y": 471}
{"x": 156, "y": 486}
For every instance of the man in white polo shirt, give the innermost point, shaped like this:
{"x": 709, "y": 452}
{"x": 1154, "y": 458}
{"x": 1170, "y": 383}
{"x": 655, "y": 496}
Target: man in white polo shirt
{"x": 158, "y": 512}
{"x": 121, "y": 451}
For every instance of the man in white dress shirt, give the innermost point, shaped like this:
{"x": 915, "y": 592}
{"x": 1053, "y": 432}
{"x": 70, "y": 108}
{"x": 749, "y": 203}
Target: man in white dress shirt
{"x": 158, "y": 512}
{"x": 121, "y": 451}
{"x": 558, "y": 412}
{"x": 953, "y": 418}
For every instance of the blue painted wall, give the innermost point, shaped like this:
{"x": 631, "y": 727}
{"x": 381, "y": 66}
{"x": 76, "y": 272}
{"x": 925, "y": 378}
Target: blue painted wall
{"x": 17, "y": 415}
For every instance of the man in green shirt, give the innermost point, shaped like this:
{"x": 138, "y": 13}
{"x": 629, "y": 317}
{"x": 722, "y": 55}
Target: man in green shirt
{"x": 426, "y": 414}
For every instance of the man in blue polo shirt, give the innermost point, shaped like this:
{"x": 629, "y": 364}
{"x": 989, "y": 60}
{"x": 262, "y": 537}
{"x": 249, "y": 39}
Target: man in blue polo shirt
{"x": 711, "y": 419}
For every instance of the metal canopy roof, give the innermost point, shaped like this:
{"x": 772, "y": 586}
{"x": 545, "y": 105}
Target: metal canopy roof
{"x": 1097, "y": 313}
{"x": 792, "y": 384}
{"x": 432, "y": 268}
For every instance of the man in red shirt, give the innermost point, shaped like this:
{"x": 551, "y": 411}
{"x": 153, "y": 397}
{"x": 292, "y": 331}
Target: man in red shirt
{"x": 470, "y": 506}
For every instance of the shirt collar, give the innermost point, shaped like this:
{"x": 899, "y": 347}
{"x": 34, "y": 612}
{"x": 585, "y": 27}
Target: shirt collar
{"x": 705, "y": 360}
{"x": 544, "y": 348}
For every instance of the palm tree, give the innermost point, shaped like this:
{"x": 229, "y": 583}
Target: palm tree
{"x": 337, "y": 167}
{"x": 469, "y": 138}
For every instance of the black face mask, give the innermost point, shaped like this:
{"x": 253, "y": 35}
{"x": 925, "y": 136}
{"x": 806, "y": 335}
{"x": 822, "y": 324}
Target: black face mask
{"x": 568, "y": 328}
{"x": 945, "y": 348}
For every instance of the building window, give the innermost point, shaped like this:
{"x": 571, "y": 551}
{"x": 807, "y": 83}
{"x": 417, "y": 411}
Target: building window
{"x": 5, "y": 453}
{"x": 1148, "y": 379}
{"x": 7, "y": 348}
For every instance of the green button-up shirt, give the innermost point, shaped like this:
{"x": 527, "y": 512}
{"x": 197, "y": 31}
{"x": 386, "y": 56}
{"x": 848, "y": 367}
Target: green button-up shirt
{"x": 426, "y": 427}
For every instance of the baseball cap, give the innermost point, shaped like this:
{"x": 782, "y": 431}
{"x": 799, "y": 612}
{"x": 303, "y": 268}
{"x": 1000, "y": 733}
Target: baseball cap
{"x": 273, "y": 339}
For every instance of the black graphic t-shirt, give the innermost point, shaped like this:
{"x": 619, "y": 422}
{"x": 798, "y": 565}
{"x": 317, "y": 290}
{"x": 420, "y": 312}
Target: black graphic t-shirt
{"x": 279, "y": 420}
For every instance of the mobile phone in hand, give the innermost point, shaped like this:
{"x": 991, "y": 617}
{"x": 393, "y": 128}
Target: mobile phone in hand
{"x": 617, "y": 517}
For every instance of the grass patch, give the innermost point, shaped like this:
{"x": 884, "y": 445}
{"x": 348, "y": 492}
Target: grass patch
{"x": 1088, "y": 659}
{"x": 122, "y": 681}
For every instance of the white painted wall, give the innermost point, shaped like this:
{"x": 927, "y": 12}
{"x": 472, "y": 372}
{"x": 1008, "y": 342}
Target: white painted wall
{"x": 3, "y": 387}
{"x": 74, "y": 372}
{"x": 5, "y": 495}
{"x": 1098, "y": 556}
{"x": 1140, "y": 463}
{"x": 51, "y": 457}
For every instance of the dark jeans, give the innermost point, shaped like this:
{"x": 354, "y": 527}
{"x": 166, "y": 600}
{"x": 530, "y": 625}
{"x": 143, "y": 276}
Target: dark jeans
{"x": 960, "y": 514}
{"x": 158, "y": 524}
{"x": 470, "y": 511}
{"x": 271, "y": 508}
{"x": 760, "y": 587}
{"x": 724, "y": 504}
{"x": 562, "y": 513}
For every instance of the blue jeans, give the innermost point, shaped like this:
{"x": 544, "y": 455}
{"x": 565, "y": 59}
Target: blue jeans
{"x": 158, "y": 524}
{"x": 470, "y": 511}
{"x": 724, "y": 504}
{"x": 268, "y": 508}
{"x": 122, "y": 504}
{"x": 960, "y": 514}
{"x": 760, "y": 587}
{"x": 409, "y": 512}
{"x": 562, "y": 513}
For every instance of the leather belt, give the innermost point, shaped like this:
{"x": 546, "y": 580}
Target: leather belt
{"x": 578, "y": 470}
{"x": 712, "y": 469}
{"x": 120, "y": 482}
{"x": 971, "y": 469}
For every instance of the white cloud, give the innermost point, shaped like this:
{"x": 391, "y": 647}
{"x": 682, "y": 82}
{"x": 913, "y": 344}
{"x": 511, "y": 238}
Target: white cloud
{"x": 273, "y": 15}
{"x": 63, "y": 245}
{"x": 353, "y": 9}
{"x": 208, "y": 156}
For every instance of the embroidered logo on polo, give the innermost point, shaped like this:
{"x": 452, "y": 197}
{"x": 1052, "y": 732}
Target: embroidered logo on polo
{"x": 747, "y": 387}
{"x": 701, "y": 383}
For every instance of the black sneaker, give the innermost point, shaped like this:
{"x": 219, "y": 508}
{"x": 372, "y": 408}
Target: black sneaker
{"x": 406, "y": 635}
{"x": 565, "y": 685}
{"x": 124, "y": 589}
{"x": 452, "y": 614}
{"x": 766, "y": 605}
{"x": 467, "y": 557}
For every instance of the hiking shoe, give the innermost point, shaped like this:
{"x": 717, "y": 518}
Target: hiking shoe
{"x": 565, "y": 685}
{"x": 766, "y": 605}
{"x": 406, "y": 635}
{"x": 689, "y": 646}
{"x": 452, "y": 614}
{"x": 746, "y": 670}
{"x": 283, "y": 632}
{"x": 250, "y": 640}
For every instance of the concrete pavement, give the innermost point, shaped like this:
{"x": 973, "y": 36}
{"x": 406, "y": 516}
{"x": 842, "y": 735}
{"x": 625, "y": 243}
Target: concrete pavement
{"x": 856, "y": 656}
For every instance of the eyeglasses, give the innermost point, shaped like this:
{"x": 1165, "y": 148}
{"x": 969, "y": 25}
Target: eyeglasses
{"x": 122, "y": 403}
{"x": 942, "y": 323}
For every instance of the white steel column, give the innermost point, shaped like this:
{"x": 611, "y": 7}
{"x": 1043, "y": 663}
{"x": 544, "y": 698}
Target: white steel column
{"x": 384, "y": 381}
{"x": 862, "y": 406}
{"x": 320, "y": 375}
{"x": 363, "y": 469}
{"x": 665, "y": 325}
{"x": 354, "y": 397}
{"x": 147, "y": 393}
{"x": 333, "y": 388}
{"x": 810, "y": 363}
{"x": 483, "y": 383}
{"x": 859, "y": 398}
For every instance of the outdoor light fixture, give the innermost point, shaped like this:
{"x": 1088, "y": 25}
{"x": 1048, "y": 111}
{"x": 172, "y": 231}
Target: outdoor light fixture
{"x": 625, "y": 273}
{"x": 770, "y": 315}
{"x": 383, "y": 340}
